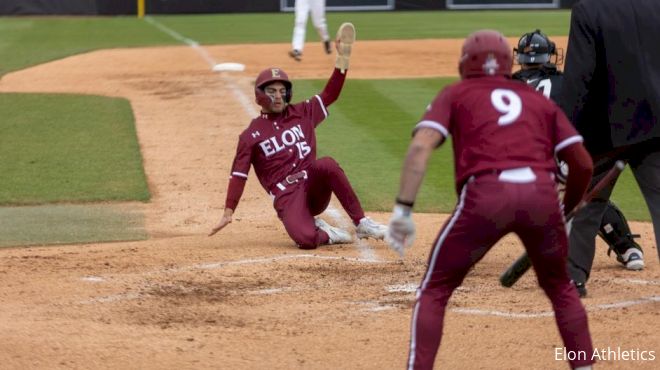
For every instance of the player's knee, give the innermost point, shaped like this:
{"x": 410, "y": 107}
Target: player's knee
{"x": 328, "y": 164}
{"x": 306, "y": 239}
{"x": 307, "y": 247}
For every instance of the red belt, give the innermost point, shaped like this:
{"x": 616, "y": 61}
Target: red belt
{"x": 291, "y": 179}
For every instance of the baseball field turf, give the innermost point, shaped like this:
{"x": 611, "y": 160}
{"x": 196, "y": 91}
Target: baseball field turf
{"x": 79, "y": 149}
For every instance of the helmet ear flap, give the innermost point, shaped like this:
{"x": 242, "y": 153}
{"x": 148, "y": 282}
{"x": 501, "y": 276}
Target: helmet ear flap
{"x": 289, "y": 92}
{"x": 263, "y": 100}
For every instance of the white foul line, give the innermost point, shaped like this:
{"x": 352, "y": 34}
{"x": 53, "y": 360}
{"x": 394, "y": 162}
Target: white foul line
{"x": 249, "y": 261}
{"x": 410, "y": 287}
{"x": 589, "y": 308}
{"x": 179, "y": 37}
{"x": 362, "y": 245}
{"x": 637, "y": 281}
{"x": 210, "y": 266}
{"x": 240, "y": 96}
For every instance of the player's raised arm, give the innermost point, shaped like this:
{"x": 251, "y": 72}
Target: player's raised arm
{"x": 344, "y": 45}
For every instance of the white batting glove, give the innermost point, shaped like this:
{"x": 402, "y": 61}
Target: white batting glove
{"x": 401, "y": 230}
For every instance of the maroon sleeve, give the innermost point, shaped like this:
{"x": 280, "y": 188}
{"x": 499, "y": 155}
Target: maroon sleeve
{"x": 239, "y": 173}
{"x": 332, "y": 89}
{"x": 234, "y": 191}
{"x": 438, "y": 113}
{"x": 564, "y": 133}
{"x": 580, "y": 169}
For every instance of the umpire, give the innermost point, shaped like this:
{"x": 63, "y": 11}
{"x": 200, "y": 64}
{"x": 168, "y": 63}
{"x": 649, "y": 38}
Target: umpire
{"x": 538, "y": 58}
{"x": 611, "y": 93}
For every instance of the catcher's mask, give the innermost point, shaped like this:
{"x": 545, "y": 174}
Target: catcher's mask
{"x": 536, "y": 48}
{"x": 267, "y": 77}
{"x": 485, "y": 53}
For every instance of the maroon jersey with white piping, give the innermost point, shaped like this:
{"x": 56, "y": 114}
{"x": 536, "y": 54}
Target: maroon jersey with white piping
{"x": 280, "y": 144}
{"x": 498, "y": 124}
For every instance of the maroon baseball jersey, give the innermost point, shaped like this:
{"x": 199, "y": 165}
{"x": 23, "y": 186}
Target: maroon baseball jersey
{"x": 279, "y": 144}
{"x": 497, "y": 123}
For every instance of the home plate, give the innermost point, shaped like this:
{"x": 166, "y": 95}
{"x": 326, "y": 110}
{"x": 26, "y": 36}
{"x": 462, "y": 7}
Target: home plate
{"x": 220, "y": 67}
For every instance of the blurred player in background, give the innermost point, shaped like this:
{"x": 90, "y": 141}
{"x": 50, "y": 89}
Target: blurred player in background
{"x": 538, "y": 58}
{"x": 504, "y": 136}
{"x": 302, "y": 10}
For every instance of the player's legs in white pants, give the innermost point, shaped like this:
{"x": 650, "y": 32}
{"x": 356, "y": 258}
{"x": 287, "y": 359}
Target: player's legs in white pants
{"x": 318, "y": 19}
{"x": 300, "y": 24}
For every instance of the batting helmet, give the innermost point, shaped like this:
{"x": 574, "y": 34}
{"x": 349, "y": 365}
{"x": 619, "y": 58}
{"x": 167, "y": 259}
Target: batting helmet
{"x": 267, "y": 77}
{"x": 534, "y": 48}
{"x": 485, "y": 53}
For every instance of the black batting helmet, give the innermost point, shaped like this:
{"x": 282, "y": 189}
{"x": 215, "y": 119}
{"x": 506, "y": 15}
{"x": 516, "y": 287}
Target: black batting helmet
{"x": 534, "y": 48}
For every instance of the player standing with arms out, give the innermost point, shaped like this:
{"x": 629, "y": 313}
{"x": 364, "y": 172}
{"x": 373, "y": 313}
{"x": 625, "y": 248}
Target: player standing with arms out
{"x": 302, "y": 10}
{"x": 538, "y": 58}
{"x": 281, "y": 146}
{"x": 505, "y": 136}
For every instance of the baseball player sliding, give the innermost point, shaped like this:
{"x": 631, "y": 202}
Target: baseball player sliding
{"x": 505, "y": 136}
{"x": 281, "y": 146}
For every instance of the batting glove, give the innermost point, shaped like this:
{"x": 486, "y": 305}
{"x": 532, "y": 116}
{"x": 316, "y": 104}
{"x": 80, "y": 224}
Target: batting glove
{"x": 401, "y": 230}
{"x": 345, "y": 40}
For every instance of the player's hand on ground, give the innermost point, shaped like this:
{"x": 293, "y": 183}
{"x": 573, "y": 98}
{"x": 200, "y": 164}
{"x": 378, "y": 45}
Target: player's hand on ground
{"x": 401, "y": 230}
{"x": 224, "y": 221}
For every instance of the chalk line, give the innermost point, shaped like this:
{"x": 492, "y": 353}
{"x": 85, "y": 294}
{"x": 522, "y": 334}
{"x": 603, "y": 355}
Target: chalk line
{"x": 238, "y": 93}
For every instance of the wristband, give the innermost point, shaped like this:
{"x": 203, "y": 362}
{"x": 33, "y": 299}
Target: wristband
{"x": 405, "y": 203}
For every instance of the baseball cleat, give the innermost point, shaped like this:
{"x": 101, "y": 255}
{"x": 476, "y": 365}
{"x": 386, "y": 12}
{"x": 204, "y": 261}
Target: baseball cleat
{"x": 326, "y": 47}
{"x": 581, "y": 289}
{"x": 295, "y": 54}
{"x": 368, "y": 228}
{"x": 633, "y": 259}
{"x": 336, "y": 235}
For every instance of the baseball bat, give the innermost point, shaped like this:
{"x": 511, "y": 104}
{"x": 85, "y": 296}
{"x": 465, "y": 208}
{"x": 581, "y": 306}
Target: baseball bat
{"x": 521, "y": 265}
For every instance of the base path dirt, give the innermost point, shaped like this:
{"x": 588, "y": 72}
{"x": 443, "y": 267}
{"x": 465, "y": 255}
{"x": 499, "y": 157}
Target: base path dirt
{"x": 248, "y": 298}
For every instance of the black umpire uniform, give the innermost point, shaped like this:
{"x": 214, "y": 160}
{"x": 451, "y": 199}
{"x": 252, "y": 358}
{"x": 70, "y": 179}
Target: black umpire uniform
{"x": 538, "y": 58}
{"x": 546, "y": 79}
{"x": 611, "y": 93}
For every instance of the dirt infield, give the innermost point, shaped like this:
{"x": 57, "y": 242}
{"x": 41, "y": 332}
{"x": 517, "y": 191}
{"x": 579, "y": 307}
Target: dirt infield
{"x": 247, "y": 298}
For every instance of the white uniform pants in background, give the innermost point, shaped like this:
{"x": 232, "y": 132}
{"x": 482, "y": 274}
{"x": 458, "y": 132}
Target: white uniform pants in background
{"x": 303, "y": 8}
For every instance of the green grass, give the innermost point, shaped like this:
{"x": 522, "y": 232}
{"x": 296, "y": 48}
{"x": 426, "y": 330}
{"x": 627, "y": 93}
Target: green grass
{"x": 249, "y": 28}
{"x": 67, "y": 148}
{"x": 28, "y": 41}
{"x": 628, "y": 197}
{"x": 70, "y": 223}
{"x": 368, "y": 133}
